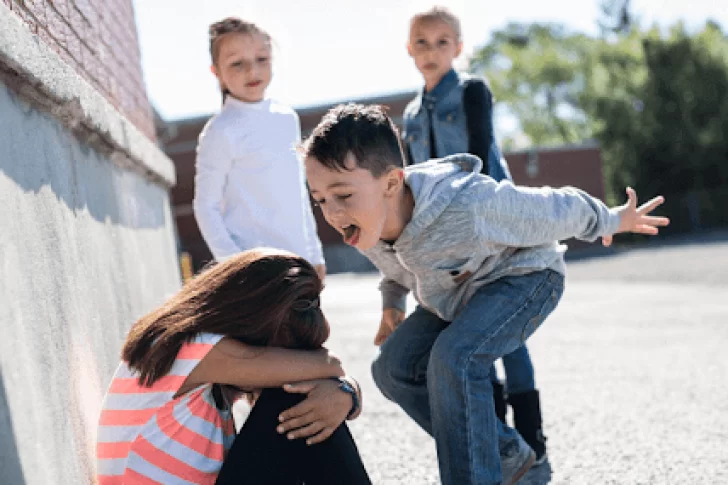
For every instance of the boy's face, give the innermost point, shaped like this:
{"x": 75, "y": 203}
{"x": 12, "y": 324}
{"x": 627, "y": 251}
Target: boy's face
{"x": 433, "y": 45}
{"x": 354, "y": 202}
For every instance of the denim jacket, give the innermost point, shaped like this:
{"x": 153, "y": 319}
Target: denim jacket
{"x": 445, "y": 103}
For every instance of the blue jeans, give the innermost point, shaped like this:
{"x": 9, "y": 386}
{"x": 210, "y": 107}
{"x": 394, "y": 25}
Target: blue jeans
{"x": 439, "y": 372}
{"x": 519, "y": 371}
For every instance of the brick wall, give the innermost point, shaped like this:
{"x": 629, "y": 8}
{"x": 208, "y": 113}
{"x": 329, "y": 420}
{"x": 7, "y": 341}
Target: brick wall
{"x": 99, "y": 40}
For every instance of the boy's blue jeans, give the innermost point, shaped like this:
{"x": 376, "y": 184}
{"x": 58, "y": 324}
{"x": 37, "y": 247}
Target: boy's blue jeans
{"x": 439, "y": 372}
{"x": 519, "y": 371}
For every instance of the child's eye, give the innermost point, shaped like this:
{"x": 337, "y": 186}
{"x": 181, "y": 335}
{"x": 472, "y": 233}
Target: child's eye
{"x": 443, "y": 42}
{"x": 343, "y": 197}
{"x": 263, "y": 60}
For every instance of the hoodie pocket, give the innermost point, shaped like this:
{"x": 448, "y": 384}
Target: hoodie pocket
{"x": 453, "y": 273}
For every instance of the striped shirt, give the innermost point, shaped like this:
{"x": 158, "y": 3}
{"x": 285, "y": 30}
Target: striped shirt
{"x": 146, "y": 435}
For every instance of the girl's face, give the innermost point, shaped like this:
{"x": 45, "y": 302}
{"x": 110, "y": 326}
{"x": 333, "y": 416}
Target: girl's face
{"x": 243, "y": 65}
{"x": 434, "y": 45}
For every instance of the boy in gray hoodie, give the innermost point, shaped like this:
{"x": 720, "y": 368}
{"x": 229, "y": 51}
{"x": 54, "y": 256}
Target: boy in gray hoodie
{"x": 483, "y": 261}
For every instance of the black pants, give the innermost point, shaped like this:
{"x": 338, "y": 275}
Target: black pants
{"x": 262, "y": 456}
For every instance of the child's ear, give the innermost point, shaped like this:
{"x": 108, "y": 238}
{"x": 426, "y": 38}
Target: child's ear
{"x": 459, "y": 49}
{"x": 409, "y": 49}
{"x": 213, "y": 70}
{"x": 395, "y": 179}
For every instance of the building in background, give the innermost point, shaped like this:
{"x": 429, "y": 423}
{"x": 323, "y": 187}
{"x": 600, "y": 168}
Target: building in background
{"x": 580, "y": 166}
{"x": 87, "y": 240}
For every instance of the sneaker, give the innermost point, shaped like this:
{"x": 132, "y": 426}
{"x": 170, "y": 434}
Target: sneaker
{"x": 516, "y": 461}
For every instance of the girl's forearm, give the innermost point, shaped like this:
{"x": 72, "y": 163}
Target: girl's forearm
{"x": 249, "y": 367}
{"x": 285, "y": 366}
{"x": 276, "y": 366}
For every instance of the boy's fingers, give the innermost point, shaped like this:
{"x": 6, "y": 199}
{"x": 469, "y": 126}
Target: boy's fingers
{"x": 322, "y": 436}
{"x": 649, "y": 206}
{"x": 645, "y": 229}
{"x": 382, "y": 335}
{"x": 655, "y": 221}
{"x": 631, "y": 197}
{"x": 606, "y": 241}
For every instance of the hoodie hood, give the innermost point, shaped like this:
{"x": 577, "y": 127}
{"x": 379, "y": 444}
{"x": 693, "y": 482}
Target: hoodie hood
{"x": 434, "y": 185}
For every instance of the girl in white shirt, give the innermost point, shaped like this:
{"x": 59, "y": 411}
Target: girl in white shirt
{"x": 250, "y": 187}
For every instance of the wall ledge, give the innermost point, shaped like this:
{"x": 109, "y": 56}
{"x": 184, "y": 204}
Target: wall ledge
{"x": 38, "y": 75}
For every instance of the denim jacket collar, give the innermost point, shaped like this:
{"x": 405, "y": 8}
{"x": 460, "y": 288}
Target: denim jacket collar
{"x": 448, "y": 81}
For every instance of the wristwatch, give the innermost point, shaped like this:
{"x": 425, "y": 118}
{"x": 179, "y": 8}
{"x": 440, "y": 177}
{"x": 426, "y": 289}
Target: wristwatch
{"x": 346, "y": 386}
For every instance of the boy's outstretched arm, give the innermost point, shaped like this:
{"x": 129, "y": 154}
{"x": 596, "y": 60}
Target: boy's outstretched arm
{"x": 636, "y": 219}
{"x": 525, "y": 217}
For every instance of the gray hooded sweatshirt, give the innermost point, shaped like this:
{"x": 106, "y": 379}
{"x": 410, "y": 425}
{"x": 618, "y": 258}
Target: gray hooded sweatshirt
{"x": 467, "y": 230}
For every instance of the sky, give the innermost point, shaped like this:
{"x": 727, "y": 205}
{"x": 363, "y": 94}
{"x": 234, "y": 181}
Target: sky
{"x": 329, "y": 50}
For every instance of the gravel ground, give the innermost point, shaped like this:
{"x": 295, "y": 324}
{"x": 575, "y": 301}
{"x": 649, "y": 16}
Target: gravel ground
{"x": 632, "y": 370}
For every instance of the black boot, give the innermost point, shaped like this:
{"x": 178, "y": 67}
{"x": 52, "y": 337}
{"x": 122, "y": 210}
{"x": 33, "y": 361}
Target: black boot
{"x": 499, "y": 399}
{"x": 527, "y": 419}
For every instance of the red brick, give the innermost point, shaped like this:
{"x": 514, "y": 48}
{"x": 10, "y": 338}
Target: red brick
{"x": 57, "y": 26}
{"x": 73, "y": 45}
{"x": 61, "y": 6}
{"x": 91, "y": 63}
{"x": 27, "y": 18}
{"x": 86, "y": 8}
{"x": 80, "y": 25}
{"x": 38, "y": 9}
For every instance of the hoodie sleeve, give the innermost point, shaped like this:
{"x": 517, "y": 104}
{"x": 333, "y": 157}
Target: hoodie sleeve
{"x": 524, "y": 216}
{"x": 213, "y": 165}
{"x": 394, "y": 295}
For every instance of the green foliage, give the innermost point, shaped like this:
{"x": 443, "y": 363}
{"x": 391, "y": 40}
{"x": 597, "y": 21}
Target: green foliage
{"x": 656, "y": 101}
{"x": 535, "y": 71}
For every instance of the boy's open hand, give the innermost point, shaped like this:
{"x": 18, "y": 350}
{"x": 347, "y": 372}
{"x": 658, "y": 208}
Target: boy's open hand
{"x": 318, "y": 416}
{"x": 637, "y": 219}
{"x": 391, "y": 317}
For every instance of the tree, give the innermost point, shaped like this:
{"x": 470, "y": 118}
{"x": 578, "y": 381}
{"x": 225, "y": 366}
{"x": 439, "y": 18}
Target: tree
{"x": 537, "y": 71}
{"x": 657, "y": 103}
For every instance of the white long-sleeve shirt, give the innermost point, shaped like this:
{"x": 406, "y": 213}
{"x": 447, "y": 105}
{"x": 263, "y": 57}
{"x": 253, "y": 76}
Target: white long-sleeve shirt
{"x": 249, "y": 186}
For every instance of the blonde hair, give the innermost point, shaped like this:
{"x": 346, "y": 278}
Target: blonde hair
{"x": 438, "y": 13}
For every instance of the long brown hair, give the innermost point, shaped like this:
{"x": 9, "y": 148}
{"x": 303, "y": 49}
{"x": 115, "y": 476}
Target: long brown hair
{"x": 260, "y": 297}
{"x": 230, "y": 25}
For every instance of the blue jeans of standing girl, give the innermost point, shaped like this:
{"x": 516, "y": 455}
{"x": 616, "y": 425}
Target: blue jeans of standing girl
{"x": 439, "y": 372}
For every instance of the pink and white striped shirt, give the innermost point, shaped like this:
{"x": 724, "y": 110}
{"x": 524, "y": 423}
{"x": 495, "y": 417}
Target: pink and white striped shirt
{"x": 146, "y": 436}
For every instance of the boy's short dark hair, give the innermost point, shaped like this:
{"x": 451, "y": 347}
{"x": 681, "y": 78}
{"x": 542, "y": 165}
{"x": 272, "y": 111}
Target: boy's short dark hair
{"x": 365, "y": 131}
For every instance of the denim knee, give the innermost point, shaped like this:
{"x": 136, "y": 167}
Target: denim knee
{"x": 453, "y": 359}
{"x": 382, "y": 374}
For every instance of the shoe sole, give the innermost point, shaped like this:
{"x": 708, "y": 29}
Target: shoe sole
{"x": 542, "y": 460}
{"x": 524, "y": 469}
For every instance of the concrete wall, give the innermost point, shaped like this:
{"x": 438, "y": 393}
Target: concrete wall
{"x": 87, "y": 245}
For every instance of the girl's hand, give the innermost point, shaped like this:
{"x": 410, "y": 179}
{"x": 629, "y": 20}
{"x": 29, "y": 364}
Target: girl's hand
{"x": 320, "y": 271}
{"x": 315, "y": 418}
{"x": 636, "y": 219}
{"x": 391, "y": 317}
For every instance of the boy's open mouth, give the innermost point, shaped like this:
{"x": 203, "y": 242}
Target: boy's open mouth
{"x": 351, "y": 234}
